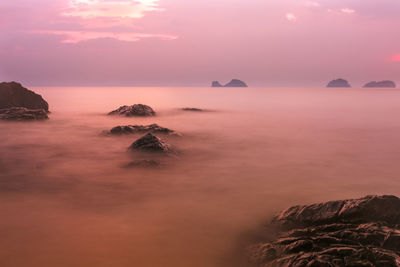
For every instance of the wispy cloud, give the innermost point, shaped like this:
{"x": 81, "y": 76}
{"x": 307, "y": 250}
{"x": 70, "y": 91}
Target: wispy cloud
{"x": 312, "y": 4}
{"x": 291, "y": 17}
{"x": 348, "y": 10}
{"x": 74, "y": 37}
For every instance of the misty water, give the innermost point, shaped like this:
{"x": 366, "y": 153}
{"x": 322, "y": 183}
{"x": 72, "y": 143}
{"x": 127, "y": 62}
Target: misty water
{"x": 66, "y": 200}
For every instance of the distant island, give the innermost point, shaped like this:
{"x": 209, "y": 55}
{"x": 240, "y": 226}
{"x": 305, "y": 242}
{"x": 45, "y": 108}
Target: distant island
{"x": 381, "y": 84}
{"x": 338, "y": 83}
{"x": 233, "y": 83}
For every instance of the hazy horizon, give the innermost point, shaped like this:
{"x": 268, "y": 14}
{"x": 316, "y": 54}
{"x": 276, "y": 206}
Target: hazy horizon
{"x": 272, "y": 43}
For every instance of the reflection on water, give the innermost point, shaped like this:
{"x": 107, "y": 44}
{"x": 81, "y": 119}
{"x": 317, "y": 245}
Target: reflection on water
{"x": 67, "y": 201}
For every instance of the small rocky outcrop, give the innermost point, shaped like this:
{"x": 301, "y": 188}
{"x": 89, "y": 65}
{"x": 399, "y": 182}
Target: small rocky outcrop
{"x": 192, "y": 109}
{"x": 134, "y": 110}
{"x": 150, "y": 143}
{"x": 338, "y": 83}
{"x": 143, "y": 163}
{"x": 232, "y": 83}
{"x": 134, "y": 129}
{"x": 216, "y": 84}
{"x": 22, "y": 114}
{"x": 381, "y": 84}
{"x": 13, "y": 94}
{"x": 354, "y": 232}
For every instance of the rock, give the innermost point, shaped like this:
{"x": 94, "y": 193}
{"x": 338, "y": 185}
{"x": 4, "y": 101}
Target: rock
{"x": 134, "y": 110}
{"x": 354, "y": 232}
{"x": 216, "y": 84}
{"x": 22, "y": 114}
{"x": 144, "y": 163}
{"x": 192, "y": 109}
{"x": 13, "y": 94}
{"x": 233, "y": 83}
{"x": 236, "y": 83}
{"x": 150, "y": 143}
{"x": 381, "y": 84}
{"x": 133, "y": 129}
{"x": 338, "y": 83}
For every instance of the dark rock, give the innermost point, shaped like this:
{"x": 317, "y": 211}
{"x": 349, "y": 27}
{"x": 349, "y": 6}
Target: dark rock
{"x": 381, "y": 84}
{"x": 236, "y": 83}
{"x": 338, "y": 83}
{"x": 134, "y": 110}
{"x": 150, "y": 143}
{"x": 354, "y": 232}
{"x": 144, "y": 163}
{"x": 13, "y": 94}
{"x": 216, "y": 84}
{"x": 22, "y": 114}
{"x": 133, "y": 129}
{"x": 233, "y": 83}
{"x": 192, "y": 109}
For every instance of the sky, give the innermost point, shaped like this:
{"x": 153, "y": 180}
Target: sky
{"x": 193, "y": 42}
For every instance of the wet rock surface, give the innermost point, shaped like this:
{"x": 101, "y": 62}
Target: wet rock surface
{"x": 381, "y": 84}
{"x": 354, "y": 232}
{"x": 134, "y": 110}
{"x": 22, "y": 114}
{"x": 13, "y": 94}
{"x": 134, "y": 129}
{"x": 339, "y": 83}
{"x": 150, "y": 143}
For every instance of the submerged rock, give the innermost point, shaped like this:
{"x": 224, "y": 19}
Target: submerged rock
{"x": 133, "y": 129}
{"x": 216, "y": 84}
{"x": 354, "y": 232}
{"x": 22, "y": 114}
{"x": 192, "y": 109}
{"x": 381, "y": 84}
{"x": 143, "y": 163}
{"x": 13, "y": 94}
{"x": 150, "y": 143}
{"x": 134, "y": 110}
{"x": 232, "y": 83}
{"x": 338, "y": 83}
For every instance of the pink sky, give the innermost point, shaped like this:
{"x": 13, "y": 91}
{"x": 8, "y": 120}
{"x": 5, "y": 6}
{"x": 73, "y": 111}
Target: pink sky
{"x": 192, "y": 42}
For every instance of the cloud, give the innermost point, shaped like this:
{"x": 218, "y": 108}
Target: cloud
{"x": 74, "y": 37}
{"x": 291, "y": 17}
{"x": 348, "y": 10}
{"x": 88, "y": 9}
{"x": 312, "y": 4}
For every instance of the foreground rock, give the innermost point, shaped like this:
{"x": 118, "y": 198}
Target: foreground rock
{"x": 355, "y": 232}
{"x": 134, "y": 129}
{"x": 13, "y": 94}
{"x": 381, "y": 84}
{"x": 150, "y": 143}
{"x": 134, "y": 110}
{"x": 338, "y": 83}
{"x": 22, "y": 114}
{"x": 233, "y": 83}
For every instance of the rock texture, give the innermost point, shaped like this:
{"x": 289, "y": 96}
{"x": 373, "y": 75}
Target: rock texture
{"x": 134, "y": 129}
{"x": 13, "y": 94}
{"x": 216, "y": 84}
{"x": 381, "y": 84}
{"x": 233, "y": 83}
{"x": 22, "y": 114}
{"x": 354, "y": 232}
{"x": 134, "y": 110}
{"x": 339, "y": 83}
{"x": 150, "y": 143}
